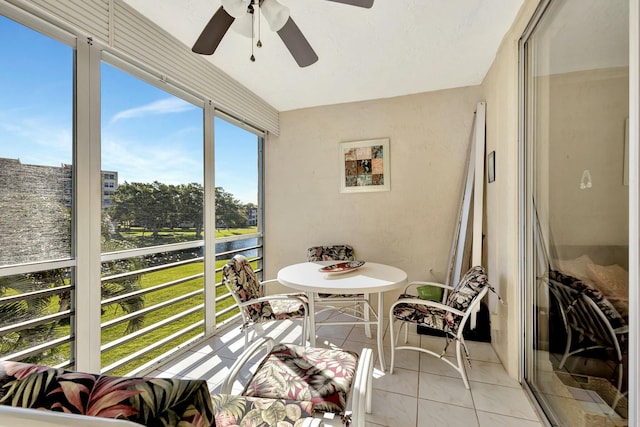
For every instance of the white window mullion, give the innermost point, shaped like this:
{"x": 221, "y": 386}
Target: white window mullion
{"x": 634, "y": 210}
{"x": 88, "y": 198}
{"x": 209, "y": 221}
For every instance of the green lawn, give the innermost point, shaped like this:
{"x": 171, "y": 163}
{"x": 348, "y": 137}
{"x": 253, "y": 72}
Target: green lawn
{"x": 153, "y": 298}
{"x": 143, "y": 238}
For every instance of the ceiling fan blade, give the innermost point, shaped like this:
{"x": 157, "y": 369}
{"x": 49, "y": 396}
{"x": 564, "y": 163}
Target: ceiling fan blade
{"x": 297, "y": 44}
{"x": 213, "y": 32}
{"x": 359, "y": 3}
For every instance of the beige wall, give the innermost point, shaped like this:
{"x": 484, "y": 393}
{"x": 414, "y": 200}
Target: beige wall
{"x": 411, "y": 225}
{"x": 585, "y": 119}
{"x": 500, "y": 89}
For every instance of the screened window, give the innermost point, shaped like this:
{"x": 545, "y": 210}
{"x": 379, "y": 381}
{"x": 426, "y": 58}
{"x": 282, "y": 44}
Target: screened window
{"x": 153, "y": 268}
{"x": 238, "y": 178}
{"x": 146, "y": 280}
{"x": 36, "y": 145}
{"x": 36, "y": 195}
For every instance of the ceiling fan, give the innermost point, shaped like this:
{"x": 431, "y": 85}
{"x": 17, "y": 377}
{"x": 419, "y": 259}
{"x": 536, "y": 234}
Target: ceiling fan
{"x": 276, "y": 15}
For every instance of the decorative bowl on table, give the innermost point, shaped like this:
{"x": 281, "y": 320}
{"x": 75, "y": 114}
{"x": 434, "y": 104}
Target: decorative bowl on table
{"x": 342, "y": 267}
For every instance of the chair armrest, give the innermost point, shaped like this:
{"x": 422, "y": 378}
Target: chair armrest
{"x": 283, "y": 297}
{"x": 247, "y": 354}
{"x": 361, "y": 388}
{"x": 421, "y": 283}
{"x": 31, "y": 417}
{"x": 427, "y": 303}
{"x": 264, "y": 283}
{"x": 268, "y": 282}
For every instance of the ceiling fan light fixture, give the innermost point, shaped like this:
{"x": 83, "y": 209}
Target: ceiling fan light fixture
{"x": 275, "y": 13}
{"x": 243, "y": 25}
{"x": 235, "y": 8}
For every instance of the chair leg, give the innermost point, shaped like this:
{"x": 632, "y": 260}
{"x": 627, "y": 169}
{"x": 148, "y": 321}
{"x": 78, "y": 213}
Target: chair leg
{"x": 393, "y": 339}
{"x": 566, "y": 349}
{"x": 406, "y": 331}
{"x": 619, "y": 393}
{"x": 305, "y": 333}
{"x": 461, "y": 368}
{"x": 258, "y": 331}
{"x": 365, "y": 308}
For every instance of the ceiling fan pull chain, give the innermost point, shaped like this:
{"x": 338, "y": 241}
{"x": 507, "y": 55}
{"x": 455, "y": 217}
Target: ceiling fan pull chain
{"x": 253, "y": 24}
{"x": 259, "y": 44}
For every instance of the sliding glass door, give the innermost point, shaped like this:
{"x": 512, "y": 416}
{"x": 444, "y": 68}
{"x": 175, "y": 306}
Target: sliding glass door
{"x": 576, "y": 104}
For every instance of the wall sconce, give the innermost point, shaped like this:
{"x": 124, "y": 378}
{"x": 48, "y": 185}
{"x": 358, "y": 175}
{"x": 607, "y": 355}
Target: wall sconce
{"x": 585, "y": 181}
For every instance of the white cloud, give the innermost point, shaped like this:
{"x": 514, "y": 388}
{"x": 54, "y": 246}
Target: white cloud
{"x": 37, "y": 140}
{"x": 163, "y": 106}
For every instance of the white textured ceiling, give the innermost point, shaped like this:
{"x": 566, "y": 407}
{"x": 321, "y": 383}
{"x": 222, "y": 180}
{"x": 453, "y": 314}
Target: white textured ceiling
{"x": 397, "y": 47}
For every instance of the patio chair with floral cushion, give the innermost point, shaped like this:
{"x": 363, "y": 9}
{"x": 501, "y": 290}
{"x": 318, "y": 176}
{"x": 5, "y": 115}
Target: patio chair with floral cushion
{"x": 357, "y": 305}
{"x": 317, "y": 380}
{"x": 449, "y": 317}
{"x": 255, "y": 305}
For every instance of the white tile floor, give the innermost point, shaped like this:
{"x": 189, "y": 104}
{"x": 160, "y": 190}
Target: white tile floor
{"x": 422, "y": 391}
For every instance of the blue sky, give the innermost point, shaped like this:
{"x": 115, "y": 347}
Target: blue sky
{"x": 147, "y": 134}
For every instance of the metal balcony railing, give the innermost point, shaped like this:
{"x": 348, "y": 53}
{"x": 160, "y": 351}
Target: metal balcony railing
{"x": 152, "y": 307}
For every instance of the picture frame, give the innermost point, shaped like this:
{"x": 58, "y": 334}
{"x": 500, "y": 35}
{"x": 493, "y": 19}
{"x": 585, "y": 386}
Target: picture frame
{"x": 364, "y": 166}
{"x": 491, "y": 167}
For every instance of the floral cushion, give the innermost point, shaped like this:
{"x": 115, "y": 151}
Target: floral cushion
{"x": 432, "y": 317}
{"x": 330, "y": 253}
{"x": 459, "y": 298}
{"x": 612, "y": 315}
{"x": 233, "y": 411}
{"x": 468, "y": 288}
{"x": 318, "y": 375}
{"x": 239, "y": 274}
{"x": 155, "y": 402}
{"x": 240, "y": 279}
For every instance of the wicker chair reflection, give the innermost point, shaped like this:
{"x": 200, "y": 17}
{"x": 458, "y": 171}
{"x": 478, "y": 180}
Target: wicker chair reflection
{"x": 255, "y": 306}
{"x": 590, "y": 322}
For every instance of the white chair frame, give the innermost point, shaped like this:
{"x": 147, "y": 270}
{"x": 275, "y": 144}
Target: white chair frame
{"x": 357, "y": 306}
{"x": 458, "y": 337}
{"x": 578, "y": 311}
{"x": 258, "y": 331}
{"x": 360, "y": 396}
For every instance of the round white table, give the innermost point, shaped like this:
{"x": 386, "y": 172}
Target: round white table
{"x": 370, "y": 278}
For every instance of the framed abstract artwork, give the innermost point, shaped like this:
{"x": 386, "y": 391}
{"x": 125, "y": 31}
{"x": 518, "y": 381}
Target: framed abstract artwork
{"x": 364, "y": 166}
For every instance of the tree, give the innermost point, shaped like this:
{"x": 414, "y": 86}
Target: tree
{"x": 190, "y": 206}
{"x": 120, "y": 286}
{"x": 158, "y": 205}
{"x": 151, "y": 206}
{"x": 229, "y": 211}
{"x": 124, "y": 203}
